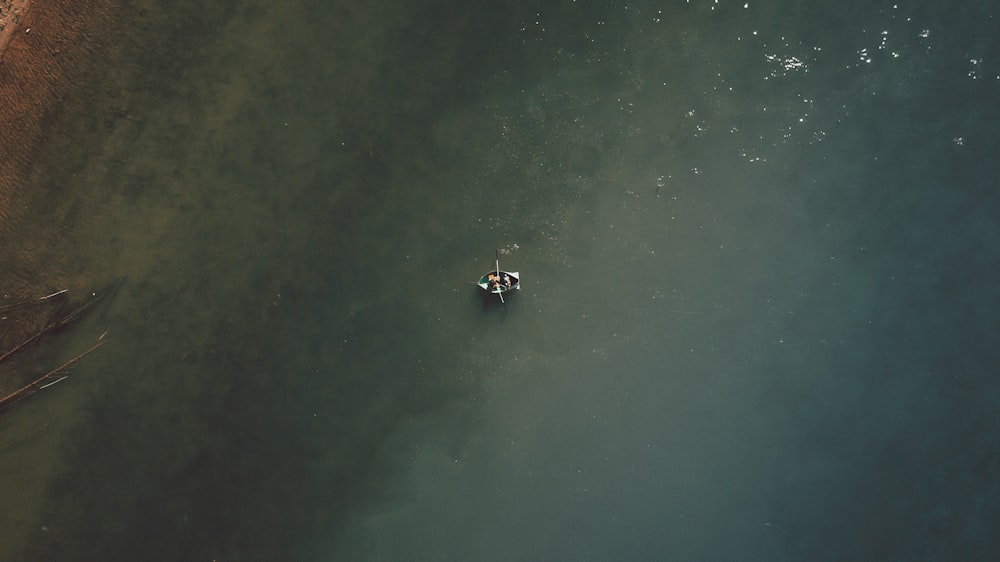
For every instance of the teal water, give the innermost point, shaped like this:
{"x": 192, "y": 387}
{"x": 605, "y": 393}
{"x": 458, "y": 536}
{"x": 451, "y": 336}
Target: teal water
{"x": 759, "y": 286}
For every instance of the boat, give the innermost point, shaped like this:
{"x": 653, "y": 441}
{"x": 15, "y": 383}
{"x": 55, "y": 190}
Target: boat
{"x": 498, "y": 281}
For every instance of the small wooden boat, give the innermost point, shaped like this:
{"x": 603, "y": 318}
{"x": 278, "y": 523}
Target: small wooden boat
{"x": 499, "y": 281}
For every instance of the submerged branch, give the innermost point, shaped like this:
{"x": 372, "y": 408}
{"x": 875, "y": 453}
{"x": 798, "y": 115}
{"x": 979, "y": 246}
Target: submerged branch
{"x": 36, "y": 385}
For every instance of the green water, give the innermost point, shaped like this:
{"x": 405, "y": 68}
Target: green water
{"x": 757, "y": 318}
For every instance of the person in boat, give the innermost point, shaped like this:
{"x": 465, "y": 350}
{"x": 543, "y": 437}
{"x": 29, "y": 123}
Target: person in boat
{"x": 506, "y": 281}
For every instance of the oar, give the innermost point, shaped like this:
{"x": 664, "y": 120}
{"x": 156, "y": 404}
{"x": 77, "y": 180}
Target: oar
{"x": 499, "y": 290}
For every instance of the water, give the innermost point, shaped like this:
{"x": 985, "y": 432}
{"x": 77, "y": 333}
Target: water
{"x": 756, "y": 249}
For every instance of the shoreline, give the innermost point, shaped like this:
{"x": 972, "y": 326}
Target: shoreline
{"x": 47, "y": 78}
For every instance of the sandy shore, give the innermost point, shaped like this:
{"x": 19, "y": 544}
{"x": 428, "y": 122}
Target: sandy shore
{"x": 11, "y": 13}
{"x": 42, "y": 76}
{"x": 27, "y": 96}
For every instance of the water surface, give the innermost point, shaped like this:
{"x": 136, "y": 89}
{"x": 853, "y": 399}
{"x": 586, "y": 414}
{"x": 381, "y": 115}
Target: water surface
{"x": 756, "y": 249}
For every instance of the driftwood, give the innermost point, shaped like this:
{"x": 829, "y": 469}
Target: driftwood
{"x": 29, "y": 321}
{"x": 37, "y": 384}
